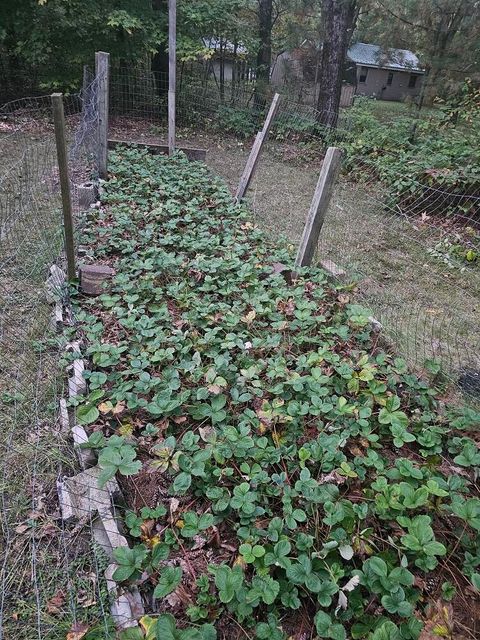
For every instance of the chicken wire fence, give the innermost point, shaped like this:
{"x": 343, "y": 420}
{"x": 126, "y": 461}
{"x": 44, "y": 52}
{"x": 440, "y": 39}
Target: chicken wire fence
{"x": 51, "y": 571}
{"x": 388, "y": 249}
{"x": 404, "y": 247}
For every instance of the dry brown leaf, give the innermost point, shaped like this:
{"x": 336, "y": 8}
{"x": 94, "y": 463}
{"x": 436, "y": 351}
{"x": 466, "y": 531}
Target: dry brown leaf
{"x": 118, "y": 408}
{"x": 22, "y": 528}
{"x": 55, "y": 603}
{"x": 215, "y": 389}
{"x": 78, "y": 631}
{"x": 439, "y": 623}
{"x": 105, "y": 407}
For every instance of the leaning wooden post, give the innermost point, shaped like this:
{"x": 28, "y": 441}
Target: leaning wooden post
{"x": 59, "y": 120}
{"x": 172, "y": 71}
{"x": 102, "y": 73}
{"x": 319, "y": 206}
{"x": 260, "y": 139}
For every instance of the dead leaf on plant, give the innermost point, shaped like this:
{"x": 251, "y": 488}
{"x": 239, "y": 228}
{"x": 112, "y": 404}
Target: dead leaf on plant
{"x": 249, "y": 317}
{"x": 439, "y": 623}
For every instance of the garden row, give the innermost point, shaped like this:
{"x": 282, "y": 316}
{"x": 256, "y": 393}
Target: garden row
{"x": 284, "y": 477}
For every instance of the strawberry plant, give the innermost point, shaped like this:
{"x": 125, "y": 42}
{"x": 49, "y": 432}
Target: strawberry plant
{"x": 296, "y": 472}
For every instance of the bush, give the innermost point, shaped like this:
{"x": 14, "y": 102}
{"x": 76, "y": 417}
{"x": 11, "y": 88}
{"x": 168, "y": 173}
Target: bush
{"x": 240, "y": 122}
{"x": 441, "y": 156}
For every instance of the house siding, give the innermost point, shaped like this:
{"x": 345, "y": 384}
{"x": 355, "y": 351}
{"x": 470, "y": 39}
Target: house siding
{"x": 376, "y": 84}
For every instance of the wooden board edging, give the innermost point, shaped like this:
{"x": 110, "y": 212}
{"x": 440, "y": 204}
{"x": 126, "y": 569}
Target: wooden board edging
{"x": 156, "y": 149}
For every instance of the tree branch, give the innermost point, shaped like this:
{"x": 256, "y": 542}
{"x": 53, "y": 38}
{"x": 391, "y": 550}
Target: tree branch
{"x": 402, "y": 19}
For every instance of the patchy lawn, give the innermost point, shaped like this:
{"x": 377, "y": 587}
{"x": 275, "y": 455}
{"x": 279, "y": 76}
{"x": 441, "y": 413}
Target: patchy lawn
{"x": 284, "y": 477}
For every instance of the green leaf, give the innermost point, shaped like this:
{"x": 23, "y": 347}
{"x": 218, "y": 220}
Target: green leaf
{"x": 227, "y": 581}
{"x": 87, "y": 414}
{"x": 166, "y": 628}
{"x": 182, "y": 483}
{"x": 168, "y": 581}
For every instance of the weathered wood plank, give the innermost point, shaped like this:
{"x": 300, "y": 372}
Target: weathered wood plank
{"x": 60, "y": 140}
{"x": 102, "y": 72}
{"x": 192, "y": 154}
{"x": 260, "y": 140}
{"x": 319, "y": 206}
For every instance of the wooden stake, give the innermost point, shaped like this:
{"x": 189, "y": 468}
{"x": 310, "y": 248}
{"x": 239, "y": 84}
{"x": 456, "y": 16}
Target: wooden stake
{"x": 102, "y": 72}
{"x": 260, "y": 139}
{"x": 172, "y": 70}
{"x": 319, "y": 206}
{"x": 60, "y": 140}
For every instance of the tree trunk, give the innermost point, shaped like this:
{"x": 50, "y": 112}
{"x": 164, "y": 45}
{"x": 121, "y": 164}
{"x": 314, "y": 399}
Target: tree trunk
{"x": 264, "y": 53}
{"x": 338, "y": 21}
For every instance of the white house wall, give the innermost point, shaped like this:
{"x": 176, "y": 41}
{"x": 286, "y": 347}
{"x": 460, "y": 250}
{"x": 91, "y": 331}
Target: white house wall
{"x": 376, "y": 84}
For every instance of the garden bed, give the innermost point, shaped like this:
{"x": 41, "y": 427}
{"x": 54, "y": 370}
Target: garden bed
{"x": 283, "y": 476}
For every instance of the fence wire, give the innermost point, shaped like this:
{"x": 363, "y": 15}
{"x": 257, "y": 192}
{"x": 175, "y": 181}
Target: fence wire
{"x": 390, "y": 250}
{"x": 51, "y": 576}
{"x": 400, "y": 248}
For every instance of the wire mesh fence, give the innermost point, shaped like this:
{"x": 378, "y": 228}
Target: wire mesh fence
{"x": 406, "y": 245}
{"x": 397, "y": 244}
{"x": 41, "y": 558}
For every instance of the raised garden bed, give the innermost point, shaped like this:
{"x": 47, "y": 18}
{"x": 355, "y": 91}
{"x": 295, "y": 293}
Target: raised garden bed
{"x": 283, "y": 476}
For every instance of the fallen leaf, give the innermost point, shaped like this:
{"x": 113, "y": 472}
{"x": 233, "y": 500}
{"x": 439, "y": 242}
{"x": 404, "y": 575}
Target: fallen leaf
{"x": 78, "y": 631}
{"x": 22, "y": 528}
{"x": 55, "y": 603}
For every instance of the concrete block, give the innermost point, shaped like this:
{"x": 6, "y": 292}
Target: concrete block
{"x": 93, "y": 277}
{"x": 80, "y": 495}
{"x": 86, "y": 457}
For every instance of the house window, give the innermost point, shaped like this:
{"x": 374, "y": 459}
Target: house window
{"x": 363, "y": 74}
{"x": 412, "y": 81}
{"x": 390, "y": 78}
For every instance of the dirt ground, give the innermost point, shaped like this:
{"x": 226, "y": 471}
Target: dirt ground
{"x": 429, "y": 310}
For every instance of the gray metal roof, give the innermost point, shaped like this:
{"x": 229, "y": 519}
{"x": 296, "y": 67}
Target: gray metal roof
{"x": 372, "y": 55}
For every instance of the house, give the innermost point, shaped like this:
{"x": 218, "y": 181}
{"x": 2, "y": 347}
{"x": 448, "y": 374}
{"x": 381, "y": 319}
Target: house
{"x": 226, "y": 59}
{"x": 386, "y": 74}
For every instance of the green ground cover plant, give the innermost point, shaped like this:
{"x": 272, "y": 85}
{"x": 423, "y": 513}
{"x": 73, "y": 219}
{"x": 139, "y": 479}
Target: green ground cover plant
{"x": 306, "y": 483}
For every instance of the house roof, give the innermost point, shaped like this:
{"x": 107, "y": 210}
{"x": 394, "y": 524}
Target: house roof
{"x": 372, "y": 55}
{"x": 214, "y": 45}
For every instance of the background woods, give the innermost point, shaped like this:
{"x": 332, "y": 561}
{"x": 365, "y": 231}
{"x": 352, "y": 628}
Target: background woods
{"x": 235, "y": 41}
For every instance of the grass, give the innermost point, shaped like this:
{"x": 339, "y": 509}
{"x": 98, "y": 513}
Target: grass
{"x": 428, "y": 310}
{"x": 48, "y": 576}
{"x": 388, "y": 110}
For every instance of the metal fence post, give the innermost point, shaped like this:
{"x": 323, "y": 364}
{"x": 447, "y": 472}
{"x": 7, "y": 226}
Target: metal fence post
{"x": 102, "y": 72}
{"x": 319, "y": 206}
{"x": 59, "y": 120}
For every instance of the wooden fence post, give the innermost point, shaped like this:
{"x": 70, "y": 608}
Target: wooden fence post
{"x": 172, "y": 71}
{"x": 260, "y": 139}
{"x": 59, "y": 120}
{"x": 319, "y": 206}
{"x": 102, "y": 72}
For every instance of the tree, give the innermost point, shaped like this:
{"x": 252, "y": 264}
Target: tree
{"x": 264, "y": 53}
{"x": 338, "y": 18}
{"x": 440, "y": 31}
